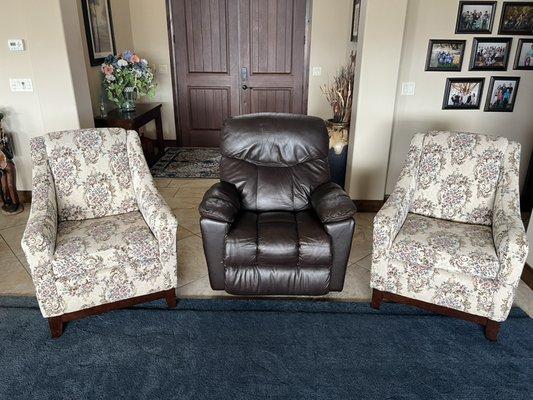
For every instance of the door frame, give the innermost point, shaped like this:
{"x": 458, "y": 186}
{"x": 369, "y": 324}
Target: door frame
{"x": 174, "y": 76}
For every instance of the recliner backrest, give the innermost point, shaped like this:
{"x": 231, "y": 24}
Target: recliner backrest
{"x": 457, "y": 177}
{"x": 274, "y": 160}
{"x": 91, "y": 171}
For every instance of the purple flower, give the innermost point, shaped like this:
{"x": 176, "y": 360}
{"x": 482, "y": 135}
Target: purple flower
{"x": 127, "y": 55}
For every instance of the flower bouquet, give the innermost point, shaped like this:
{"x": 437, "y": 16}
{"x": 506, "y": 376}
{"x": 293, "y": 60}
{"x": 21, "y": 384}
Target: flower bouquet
{"x": 125, "y": 78}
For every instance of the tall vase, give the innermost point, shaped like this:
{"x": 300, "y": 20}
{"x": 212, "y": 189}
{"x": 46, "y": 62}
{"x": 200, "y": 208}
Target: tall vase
{"x": 130, "y": 96}
{"x": 338, "y": 150}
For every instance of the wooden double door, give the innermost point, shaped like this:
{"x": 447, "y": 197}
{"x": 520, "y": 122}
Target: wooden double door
{"x": 234, "y": 57}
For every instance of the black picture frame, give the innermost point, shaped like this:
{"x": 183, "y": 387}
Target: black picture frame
{"x": 448, "y": 88}
{"x": 432, "y": 43}
{"x": 459, "y": 26}
{"x": 519, "y": 48}
{"x": 473, "y": 58}
{"x": 506, "y": 8}
{"x": 493, "y": 81}
{"x": 356, "y": 12}
{"x": 97, "y": 57}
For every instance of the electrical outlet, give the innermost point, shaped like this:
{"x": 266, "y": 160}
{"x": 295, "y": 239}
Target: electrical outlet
{"x": 408, "y": 89}
{"x": 21, "y": 85}
{"x": 15, "y": 44}
{"x": 317, "y": 71}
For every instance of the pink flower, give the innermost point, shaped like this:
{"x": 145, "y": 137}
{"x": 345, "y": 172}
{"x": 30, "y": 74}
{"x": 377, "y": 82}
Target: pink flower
{"x": 107, "y": 69}
{"x": 135, "y": 58}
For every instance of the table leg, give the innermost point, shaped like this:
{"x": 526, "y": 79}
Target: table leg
{"x": 159, "y": 132}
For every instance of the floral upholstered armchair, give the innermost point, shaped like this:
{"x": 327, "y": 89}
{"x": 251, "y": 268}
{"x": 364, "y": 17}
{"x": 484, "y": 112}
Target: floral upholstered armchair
{"x": 99, "y": 235}
{"x": 450, "y": 238}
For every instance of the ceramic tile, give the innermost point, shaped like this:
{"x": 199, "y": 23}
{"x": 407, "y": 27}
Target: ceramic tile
{"x": 13, "y": 236}
{"x": 188, "y": 218}
{"x": 161, "y": 183}
{"x": 361, "y": 243}
{"x": 191, "y": 191}
{"x": 524, "y": 298}
{"x": 200, "y": 288}
{"x": 8, "y": 221}
{"x": 193, "y": 182}
{"x": 5, "y": 251}
{"x": 183, "y": 232}
{"x": 183, "y": 202}
{"x": 14, "y": 280}
{"x": 365, "y": 219}
{"x": 191, "y": 260}
{"x": 366, "y": 262}
{"x": 356, "y": 285}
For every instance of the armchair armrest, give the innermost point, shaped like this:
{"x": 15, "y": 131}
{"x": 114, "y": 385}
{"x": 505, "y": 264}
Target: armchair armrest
{"x": 153, "y": 208}
{"x": 508, "y": 230}
{"x": 39, "y": 238}
{"x": 331, "y": 203}
{"x": 389, "y": 220}
{"x": 221, "y": 202}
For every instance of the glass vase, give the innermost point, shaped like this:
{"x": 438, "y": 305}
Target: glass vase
{"x": 130, "y": 96}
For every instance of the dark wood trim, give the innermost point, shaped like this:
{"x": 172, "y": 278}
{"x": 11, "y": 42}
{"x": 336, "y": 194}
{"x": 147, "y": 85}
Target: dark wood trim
{"x": 57, "y": 323}
{"x": 173, "y": 72}
{"x": 527, "y": 276}
{"x": 307, "y": 53}
{"x": 24, "y": 196}
{"x": 492, "y": 328}
{"x": 369, "y": 205}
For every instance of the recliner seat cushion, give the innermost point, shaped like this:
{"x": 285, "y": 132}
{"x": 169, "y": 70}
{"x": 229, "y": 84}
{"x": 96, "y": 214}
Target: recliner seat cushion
{"x": 446, "y": 245}
{"x": 277, "y": 252}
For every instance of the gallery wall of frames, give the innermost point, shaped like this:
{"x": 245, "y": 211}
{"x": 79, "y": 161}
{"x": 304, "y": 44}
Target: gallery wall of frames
{"x": 489, "y": 53}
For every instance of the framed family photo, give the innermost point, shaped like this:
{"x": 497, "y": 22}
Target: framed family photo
{"x": 98, "y": 29}
{"x": 445, "y": 55}
{"x": 502, "y": 93}
{"x": 517, "y": 18}
{"x": 475, "y": 17}
{"x": 490, "y": 54}
{"x": 524, "y": 54}
{"x": 463, "y": 93}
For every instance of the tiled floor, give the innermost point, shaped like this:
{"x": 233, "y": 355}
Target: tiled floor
{"x": 183, "y": 197}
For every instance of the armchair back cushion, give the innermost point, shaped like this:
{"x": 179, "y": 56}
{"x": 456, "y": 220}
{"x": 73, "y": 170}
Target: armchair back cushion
{"x": 458, "y": 174}
{"x": 91, "y": 172}
{"x": 274, "y": 160}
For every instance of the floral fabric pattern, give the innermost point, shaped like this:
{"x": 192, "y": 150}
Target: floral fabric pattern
{"x": 128, "y": 246}
{"x": 471, "y": 261}
{"x": 92, "y": 173}
{"x": 458, "y": 174}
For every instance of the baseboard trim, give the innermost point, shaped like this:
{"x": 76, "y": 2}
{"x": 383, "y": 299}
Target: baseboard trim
{"x": 24, "y": 196}
{"x": 527, "y": 275}
{"x": 369, "y": 205}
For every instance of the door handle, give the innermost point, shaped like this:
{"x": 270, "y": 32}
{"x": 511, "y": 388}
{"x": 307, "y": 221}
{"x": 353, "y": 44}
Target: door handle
{"x": 246, "y": 87}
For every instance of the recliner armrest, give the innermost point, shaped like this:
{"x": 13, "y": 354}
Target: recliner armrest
{"x": 221, "y": 202}
{"x": 331, "y": 203}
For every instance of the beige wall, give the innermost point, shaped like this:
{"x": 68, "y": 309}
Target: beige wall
{"x": 330, "y": 48}
{"x": 51, "y": 61}
{"x": 376, "y": 76}
{"x": 436, "y": 19}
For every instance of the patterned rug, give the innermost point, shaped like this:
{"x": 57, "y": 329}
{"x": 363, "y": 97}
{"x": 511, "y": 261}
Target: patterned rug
{"x": 187, "y": 162}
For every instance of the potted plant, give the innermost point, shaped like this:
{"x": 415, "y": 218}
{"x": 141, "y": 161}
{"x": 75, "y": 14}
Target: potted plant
{"x": 339, "y": 95}
{"x": 126, "y": 77}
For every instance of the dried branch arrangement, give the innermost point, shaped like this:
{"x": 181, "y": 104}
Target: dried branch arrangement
{"x": 339, "y": 92}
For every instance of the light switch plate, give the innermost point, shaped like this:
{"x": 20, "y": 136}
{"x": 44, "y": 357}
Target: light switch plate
{"x": 15, "y": 44}
{"x": 317, "y": 71}
{"x": 408, "y": 89}
{"x": 162, "y": 69}
{"x": 21, "y": 85}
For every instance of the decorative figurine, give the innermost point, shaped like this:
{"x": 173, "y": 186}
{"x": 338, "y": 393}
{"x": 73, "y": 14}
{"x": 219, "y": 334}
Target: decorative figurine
{"x": 8, "y": 173}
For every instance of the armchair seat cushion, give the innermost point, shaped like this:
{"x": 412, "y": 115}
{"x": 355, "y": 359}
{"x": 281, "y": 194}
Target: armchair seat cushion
{"x": 447, "y": 245}
{"x": 278, "y": 238}
{"x": 96, "y": 246}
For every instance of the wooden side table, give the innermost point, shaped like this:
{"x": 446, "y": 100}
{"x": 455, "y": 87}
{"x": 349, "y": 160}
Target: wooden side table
{"x": 133, "y": 120}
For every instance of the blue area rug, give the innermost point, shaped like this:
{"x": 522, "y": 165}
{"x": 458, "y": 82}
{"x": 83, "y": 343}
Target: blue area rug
{"x": 187, "y": 162}
{"x": 262, "y": 349}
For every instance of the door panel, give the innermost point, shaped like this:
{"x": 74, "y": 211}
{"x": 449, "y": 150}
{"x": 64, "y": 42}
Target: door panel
{"x": 272, "y": 40}
{"x": 235, "y": 57}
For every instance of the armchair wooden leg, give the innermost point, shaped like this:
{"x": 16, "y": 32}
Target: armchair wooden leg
{"x": 377, "y": 298}
{"x": 492, "y": 328}
{"x": 171, "y": 299}
{"x": 56, "y": 326}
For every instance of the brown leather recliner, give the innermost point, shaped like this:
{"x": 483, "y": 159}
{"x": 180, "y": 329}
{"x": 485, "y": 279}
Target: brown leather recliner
{"x": 275, "y": 224}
